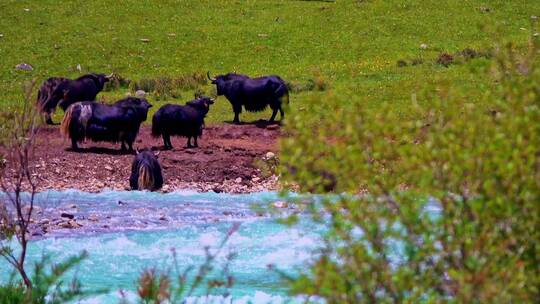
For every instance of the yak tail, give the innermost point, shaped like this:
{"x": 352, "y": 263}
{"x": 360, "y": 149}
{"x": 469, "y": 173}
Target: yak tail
{"x": 66, "y": 122}
{"x": 284, "y": 99}
{"x": 146, "y": 179}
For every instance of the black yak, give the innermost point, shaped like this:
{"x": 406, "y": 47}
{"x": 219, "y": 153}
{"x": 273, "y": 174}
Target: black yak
{"x": 187, "y": 121}
{"x": 119, "y": 122}
{"x": 63, "y": 92}
{"x": 255, "y": 94}
{"x": 44, "y": 103}
{"x": 146, "y": 172}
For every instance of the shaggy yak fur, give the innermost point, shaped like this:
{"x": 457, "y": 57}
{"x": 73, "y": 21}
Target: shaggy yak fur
{"x": 45, "y": 104}
{"x": 254, "y": 94}
{"x": 63, "y": 92}
{"x": 119, "y": 122}
{"x": 146, "y": 172}
{"x": 187, "y": 121}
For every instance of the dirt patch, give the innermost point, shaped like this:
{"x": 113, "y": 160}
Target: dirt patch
{"x": 224, "y": 161}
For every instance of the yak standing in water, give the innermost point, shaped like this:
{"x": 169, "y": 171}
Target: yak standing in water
{"x": 146, "y": 172}
{"x": 254, "y": 94}
{"x": 187, "y": 121}
{"x": 63, "y": 92}
{"x": 119, "y": 122}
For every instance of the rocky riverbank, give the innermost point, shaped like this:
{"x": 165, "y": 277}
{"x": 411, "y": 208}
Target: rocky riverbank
{"x": 231, "y": 159}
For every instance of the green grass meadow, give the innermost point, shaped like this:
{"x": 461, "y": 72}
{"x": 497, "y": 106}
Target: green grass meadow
{"x": 351, "y": 46}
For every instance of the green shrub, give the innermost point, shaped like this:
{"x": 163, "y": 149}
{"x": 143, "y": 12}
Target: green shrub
{"x": 145, "y": 84}
{"x": 401, "y": 63}
{"x": 164, "y": 87}
{"x": 116, "y": 83}
{"x": 44, "y": 282}
{"x": 445, "y": 59}
{"x": 12, "y": 293}
{"x": 268, "y": 165}
{"x": 48, "y": 286}
{"x": 417, "y": 61}
{"x": 474, "y": 163}
{"x": 190, "y": 81}
{"x": 317, "y": 83}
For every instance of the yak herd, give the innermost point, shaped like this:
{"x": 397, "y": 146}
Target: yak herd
{"x": 84, "y": 118}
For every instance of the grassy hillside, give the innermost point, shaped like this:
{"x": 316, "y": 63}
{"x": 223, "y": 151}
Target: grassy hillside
{"x": 351, "y": 46}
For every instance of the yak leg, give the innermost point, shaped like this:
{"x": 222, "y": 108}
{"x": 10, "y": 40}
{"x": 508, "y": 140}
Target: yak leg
{"x": 274, "y": 113}
{"x": 123, "y": 147}
{"x": 164, "y": 141}
{"x": 237, "y": 110}
{"x": 281, "y": 115}
{"x": 130, "y": 146}
{"x": 74, "y": 145}
{"x": 167, "y": 141}
{"x": 128, "y": 138}
{"x": 195, "y": 142}
{"x": 189, "y": 142}
{"x": 236, "y": 119}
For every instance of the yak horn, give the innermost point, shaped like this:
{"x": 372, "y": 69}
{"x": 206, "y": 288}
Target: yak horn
{"x": 137, "y": 151}
{"x": 110, "y": 76}
{"x": 157, "y": 153}
{"x": 208, "y": 75}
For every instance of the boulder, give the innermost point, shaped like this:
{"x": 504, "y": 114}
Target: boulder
{"x": 24, "y": 67}
{"x": 140, "y": 94}
{"x": 67, "y": 215}
{"x": 269, "y": 155}
{"x": 280, "y": 204}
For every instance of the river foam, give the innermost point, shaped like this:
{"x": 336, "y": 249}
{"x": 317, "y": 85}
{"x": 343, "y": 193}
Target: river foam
{"x": 117, "y": 255}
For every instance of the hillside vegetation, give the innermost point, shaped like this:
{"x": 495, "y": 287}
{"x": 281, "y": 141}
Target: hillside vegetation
{"x": 347, "y": 48}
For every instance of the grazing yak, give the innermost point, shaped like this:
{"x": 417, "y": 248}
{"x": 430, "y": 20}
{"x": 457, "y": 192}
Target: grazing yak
{"x": 187, "y": 121}
{"x": 119, "y": 122}
{"x": 63, "y": 92}
{"x": 44, "y": 103}
{"x": 146, "y": 172}
{"x": 255, "y": 94}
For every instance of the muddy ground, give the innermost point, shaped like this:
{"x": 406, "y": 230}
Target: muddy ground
{"x": 226, "y": 160}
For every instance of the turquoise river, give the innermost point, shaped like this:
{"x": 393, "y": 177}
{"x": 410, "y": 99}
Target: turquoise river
{"x": 125, "y": 233}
